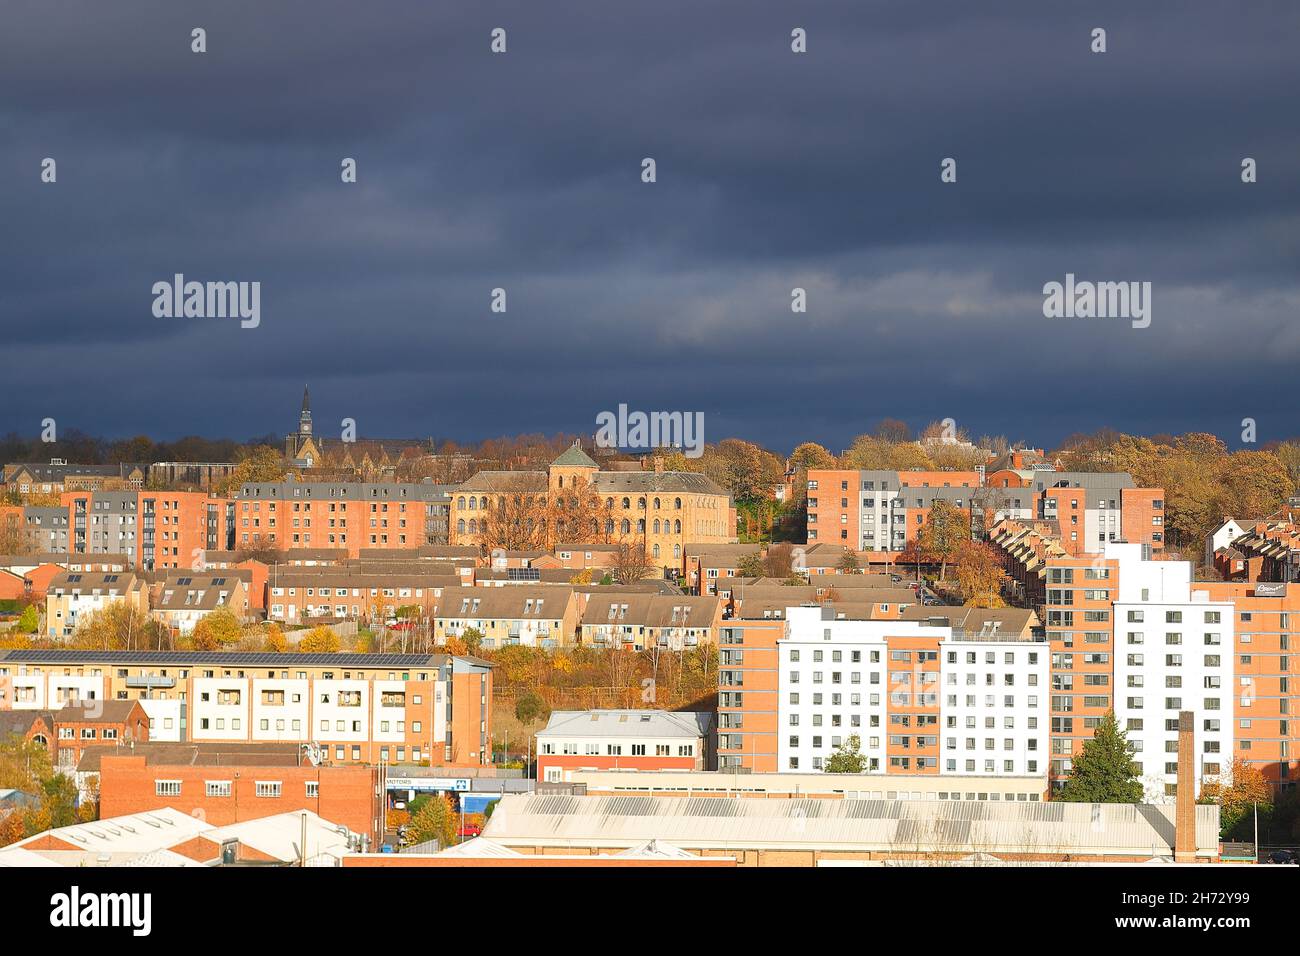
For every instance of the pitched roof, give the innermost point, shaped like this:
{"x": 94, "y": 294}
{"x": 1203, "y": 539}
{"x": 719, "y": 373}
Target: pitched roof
{"x": 574, "y": 457}
{"x": 201, "y": 754}
{"x": 542, "y": 602}
{"x": 850, "y": 824}
{"x": 96, "y": 712}
{"x": 687, "y": 725}
{"x": 650, "y": 610}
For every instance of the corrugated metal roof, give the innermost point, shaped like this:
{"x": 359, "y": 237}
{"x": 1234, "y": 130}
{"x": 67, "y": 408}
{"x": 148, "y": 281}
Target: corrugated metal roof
{"x": 845, "y": 825}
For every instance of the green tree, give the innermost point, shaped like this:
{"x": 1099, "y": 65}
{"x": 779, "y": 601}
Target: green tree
{"x": 29, "y": 621}
{"x": 847, "y": 758}
{"x": 473, "y": 639}
{"x": 1104, "y": 771}
{"x": 530, "y": 707}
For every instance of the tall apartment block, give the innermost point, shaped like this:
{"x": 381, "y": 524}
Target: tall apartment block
{"x": 922, "y": 697}
{"x": 884, "y": 510}
{"x": 344, "y": 515}
{"x": 156, "y": 529}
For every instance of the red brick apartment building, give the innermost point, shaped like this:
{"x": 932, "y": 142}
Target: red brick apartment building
{"x": 94, "y": 723}
{"x": 1078, "y": 593}
{"x": 155, "y": 529}
{"x": 748, "y": 680}
{"x": 350, "y": 516}
{"x": 881, "y": 512}
{"x": 225, "y": 784}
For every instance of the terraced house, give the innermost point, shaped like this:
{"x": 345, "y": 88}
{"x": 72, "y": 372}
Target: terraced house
{"x": 73, "y": 596}
{"x": 350, "y": 707}
{"x": 640, "y": 621}
{"x": 533, "y": 615}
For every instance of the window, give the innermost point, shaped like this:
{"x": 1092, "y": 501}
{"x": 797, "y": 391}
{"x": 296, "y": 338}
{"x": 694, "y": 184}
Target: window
{"x": 167, "y": 788}
{"x": 313, "y": 789}
{"x": 216, "y": 788}
{"x": 268, "y": 788}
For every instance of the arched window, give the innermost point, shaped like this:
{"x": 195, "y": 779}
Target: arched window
{"x": 677, "y": 526}
{"x": 656, "y": 527}
{"x": 473, "y": 526}
{"x": 609, "y": 503}
{"x": 677, "y": 551}
{"x": 627, "y": 503}
{"x": 561, "y": 481}
{"x": 609, "y": 526}
{"x": 656, "y": 552}
{"x": 626, "y": 526}
{"x": 656, "y": 504}
{"x": 640, "y": 503}
{"x": 473, "y": 503}
{"x": 460, "y": 502}
{"x": 677, "y": 503}
{"x": 482, "y": 503}
{"x": 460, "y": 526}
{"x": 640, "y": 525}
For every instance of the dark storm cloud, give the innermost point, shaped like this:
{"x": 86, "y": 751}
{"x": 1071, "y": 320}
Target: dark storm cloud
{"x": 775, "y": 171}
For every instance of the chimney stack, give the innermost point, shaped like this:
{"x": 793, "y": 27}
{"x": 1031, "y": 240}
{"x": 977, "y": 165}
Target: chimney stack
{"x": 1185, "y": 805}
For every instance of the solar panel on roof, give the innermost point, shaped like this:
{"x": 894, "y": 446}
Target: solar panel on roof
{"x": 62, "y": 655}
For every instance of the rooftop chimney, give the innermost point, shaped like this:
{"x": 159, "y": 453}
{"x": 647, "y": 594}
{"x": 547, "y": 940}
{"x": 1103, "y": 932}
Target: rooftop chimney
{"x": 1185, "y": 805}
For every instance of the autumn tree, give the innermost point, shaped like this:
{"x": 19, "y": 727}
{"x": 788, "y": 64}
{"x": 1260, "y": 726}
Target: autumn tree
{"x": 848, "y": 562}
{"x": 1237, "y": 794}
{"x": 515, "y": 521}
{"x": 946, "y": 529}
{"x": 260, "y": 463}
{"x": 893, "y": 431}
{"x": 751, "y": 565}
{"x": 118, "y": 626}
{"x": 869, "y": 452}
{"x": 779, "y": 561}
{"x": 434, "y": 820}
{"x": 217, "y": 629}
{"x": 979, "y": 575}
{"x": 15, "y": 536}
{"x": 275, "y": 642}
{"x": 319, "y": 640}
{"x": 631, "y": 563}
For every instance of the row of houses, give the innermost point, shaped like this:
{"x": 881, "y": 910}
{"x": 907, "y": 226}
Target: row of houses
{"x": 350, "y": 708}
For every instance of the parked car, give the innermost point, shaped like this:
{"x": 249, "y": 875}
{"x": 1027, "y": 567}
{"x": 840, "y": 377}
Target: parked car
{"x": 1282, "y": 856}
{"x": 471, "y": 830}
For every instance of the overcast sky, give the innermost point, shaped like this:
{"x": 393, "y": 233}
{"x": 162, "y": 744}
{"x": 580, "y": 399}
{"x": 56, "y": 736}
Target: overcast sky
{"x": 775, "y": 170}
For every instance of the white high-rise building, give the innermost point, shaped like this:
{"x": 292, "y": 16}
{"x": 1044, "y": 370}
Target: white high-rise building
{"x": 1173, "y": 652}
{"x": 920, "y": 697}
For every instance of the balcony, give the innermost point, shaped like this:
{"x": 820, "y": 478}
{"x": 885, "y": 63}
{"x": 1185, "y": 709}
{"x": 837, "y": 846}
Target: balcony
{"x": 150, "y": 681}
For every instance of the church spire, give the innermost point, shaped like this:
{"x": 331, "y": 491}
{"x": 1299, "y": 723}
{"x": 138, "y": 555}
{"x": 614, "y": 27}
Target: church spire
{"x": 304, "y": 420}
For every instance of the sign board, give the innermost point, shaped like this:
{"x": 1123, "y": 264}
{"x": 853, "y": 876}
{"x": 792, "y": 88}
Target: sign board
{"x": 460, "y": 785}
